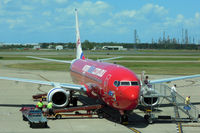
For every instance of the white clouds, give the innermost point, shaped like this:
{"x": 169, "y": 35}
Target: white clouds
{"x": 181, "y": 20}
{"x": 108, "y": 23}
{"x": 146, "y": 12}
{"x": 197, "y": 15}
{"x": 6, "y": 1}
{"x": 13, "y": 22}
{"x": 26, "y": 7}
{"x": 86, "y": 8}
{"x": 126, "y": 13}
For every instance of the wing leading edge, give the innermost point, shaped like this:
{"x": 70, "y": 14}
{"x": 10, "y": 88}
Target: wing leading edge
{"x": 61, "y": 61}
{"x": 67, "y": 86}
{"x": 173, "y": 79}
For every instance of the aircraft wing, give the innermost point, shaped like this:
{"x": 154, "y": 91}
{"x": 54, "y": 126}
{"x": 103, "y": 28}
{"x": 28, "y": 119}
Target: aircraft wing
{"x": 61, "y": 61}
{"x": 109, "y": 58}
{"x": 67, "y": 86}
{"x": 173, "y": 79}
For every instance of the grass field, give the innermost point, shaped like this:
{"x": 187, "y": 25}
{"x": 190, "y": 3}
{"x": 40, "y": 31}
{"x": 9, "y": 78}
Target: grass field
{"x": 164, "y": 68}
{"x": 150, "y": 68}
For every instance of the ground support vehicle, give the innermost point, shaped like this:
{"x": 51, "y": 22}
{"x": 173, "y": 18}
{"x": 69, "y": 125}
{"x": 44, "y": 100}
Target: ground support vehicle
{"x": 91, "y": 110}
{"x": 34, "y": 116}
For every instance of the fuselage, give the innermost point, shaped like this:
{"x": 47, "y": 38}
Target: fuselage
{"x": 116, "y": 85}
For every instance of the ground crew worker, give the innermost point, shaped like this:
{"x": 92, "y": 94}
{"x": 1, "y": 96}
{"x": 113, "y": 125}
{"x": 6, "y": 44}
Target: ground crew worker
{"x": 187, "y": 100}
{"x": 173, "y": 93}
{"x": 50, "y": 108}
{"x": 173, "y": 89}
{"x": 40, "y": 105}
{"x": 146, "y": 81}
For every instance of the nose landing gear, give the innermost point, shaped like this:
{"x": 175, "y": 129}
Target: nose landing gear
{"x": 123, "y": 117}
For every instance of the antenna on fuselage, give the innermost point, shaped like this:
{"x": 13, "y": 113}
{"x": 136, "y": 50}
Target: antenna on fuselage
{"x": 79, "y": 52}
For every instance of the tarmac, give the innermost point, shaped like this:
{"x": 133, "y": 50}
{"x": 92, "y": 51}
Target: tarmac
{"x": 14, "y": 94}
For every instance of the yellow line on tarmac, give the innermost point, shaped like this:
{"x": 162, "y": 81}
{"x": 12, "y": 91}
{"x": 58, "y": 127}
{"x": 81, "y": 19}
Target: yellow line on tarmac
{"x": 179, "y": 127}
{"x": 134, "y": 130}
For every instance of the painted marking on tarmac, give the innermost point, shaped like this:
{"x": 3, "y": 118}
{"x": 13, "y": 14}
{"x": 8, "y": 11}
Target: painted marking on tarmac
{"x": 134, "y": 130}
{"x": 179, "y": 127}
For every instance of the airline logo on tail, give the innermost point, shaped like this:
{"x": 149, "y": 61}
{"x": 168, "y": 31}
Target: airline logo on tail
{"x": 79, "y": 52}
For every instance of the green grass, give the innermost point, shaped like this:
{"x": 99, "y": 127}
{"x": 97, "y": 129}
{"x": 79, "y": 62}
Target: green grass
{"x": 157, "y": 58}
{"x": 164, "y": 68}
{"x": 150, "y": 68}
{"x": 41, "y": 66}
{"x": 95, "y": 57}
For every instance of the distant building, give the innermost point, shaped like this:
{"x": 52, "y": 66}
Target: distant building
{"x": 50, "y": 47}
{"x": 113, "y": 48}
{"x": 36, "y": 47}
{"x": 59, "y": 47}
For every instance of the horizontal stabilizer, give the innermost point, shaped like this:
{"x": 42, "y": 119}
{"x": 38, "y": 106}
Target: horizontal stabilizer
{"x": 109, "y": 58}
{"x": 61, "y": 61}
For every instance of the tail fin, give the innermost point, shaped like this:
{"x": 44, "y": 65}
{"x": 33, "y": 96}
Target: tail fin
{"x": 79, "y": 52}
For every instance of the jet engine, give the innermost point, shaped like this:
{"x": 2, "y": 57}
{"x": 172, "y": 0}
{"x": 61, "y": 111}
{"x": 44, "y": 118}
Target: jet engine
{"x": 149, "y": 97}
{"x": 59, "y": 97}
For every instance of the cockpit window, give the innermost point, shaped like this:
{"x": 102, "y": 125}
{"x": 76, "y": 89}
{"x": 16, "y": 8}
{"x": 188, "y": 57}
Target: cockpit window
{"x": 125, "y": 83}
{"x": 116, "y": 83}
{"x": 134, "y": 83}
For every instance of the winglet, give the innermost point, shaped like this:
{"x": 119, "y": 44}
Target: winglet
{"x": 79, "y": 52}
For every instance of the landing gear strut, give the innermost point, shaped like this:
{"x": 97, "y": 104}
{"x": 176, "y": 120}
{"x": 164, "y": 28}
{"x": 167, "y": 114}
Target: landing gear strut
{"x": 124, "y": 119}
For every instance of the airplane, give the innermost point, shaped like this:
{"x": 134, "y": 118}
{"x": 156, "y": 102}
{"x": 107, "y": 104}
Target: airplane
{"x": 115, "y": 85}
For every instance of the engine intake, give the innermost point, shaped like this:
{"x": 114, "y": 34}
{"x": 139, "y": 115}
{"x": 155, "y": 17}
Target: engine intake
{"x": 59, "y": 97}
{"x": 148, "y": 97}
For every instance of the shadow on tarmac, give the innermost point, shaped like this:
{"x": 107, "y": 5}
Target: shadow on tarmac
{"x": 16, "y": 105}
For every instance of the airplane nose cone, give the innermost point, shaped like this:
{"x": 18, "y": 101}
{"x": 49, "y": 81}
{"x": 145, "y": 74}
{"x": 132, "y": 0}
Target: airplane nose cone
{"x": 131, "y": 97}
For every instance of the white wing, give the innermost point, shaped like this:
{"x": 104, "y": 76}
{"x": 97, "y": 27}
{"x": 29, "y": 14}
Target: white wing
{"x": 61, "y": 61}
{"x": 173, "y": 79}
{"x": 109, "y": 58}
{"x": 68, "y": 86}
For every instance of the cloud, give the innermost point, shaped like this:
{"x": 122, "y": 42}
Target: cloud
{"x": 151, "y": 8}
{"x": 126, "y": 13}
{"x": 13, "y": 22}
{"x": 148, "y": 12}
{"x": 108, "y": 23}
{"x": 26, "y": 7}
{"x": 86, "y": 8}
{"x": 6, "y": 1}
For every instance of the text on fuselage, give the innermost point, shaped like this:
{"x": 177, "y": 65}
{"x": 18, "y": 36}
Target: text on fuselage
{"x": 93, "y": 70}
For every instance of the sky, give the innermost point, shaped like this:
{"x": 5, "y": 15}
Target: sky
{"x": 36, "y": 21}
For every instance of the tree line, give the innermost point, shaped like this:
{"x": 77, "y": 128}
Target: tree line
{"x": 87, "y": 45}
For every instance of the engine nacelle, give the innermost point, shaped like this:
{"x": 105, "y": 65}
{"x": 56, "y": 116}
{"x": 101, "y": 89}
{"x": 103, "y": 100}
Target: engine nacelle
{"x": 59, "y": 97}
{"x": 148, "y": 97}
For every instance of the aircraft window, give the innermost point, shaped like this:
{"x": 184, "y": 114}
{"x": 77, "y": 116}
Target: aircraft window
{"x": 116, "y": 83}
{"x": 125, "y": 83}
{"x": 134, "y": 83}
